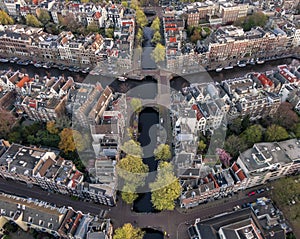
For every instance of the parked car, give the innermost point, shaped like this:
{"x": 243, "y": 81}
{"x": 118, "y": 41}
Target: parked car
{"x": 251, "y": 193}
{"x": 261, "y": 190}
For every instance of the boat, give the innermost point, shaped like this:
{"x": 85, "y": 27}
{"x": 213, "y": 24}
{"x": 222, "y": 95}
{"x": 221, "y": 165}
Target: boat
{"x": 219, "y": 69}
{"x": 260, "y": 61}
{"x": 228, "y": 67}
{"x": 38, "y": 64}
{"x": 13, "y": 60}
{"x": 241, "y": 63}
{"x": 4, "y": 60}
{"x": 22, "y": 63}
{"x": 121, "y": 78}
{"x": 252, "y": 61}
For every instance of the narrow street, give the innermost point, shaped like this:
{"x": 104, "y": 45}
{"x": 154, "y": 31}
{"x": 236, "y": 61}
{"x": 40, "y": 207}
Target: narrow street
{"x": 173, "y": 222}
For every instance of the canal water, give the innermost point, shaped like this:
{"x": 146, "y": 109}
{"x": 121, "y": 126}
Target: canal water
{"x": 148, "y": 119}
{"x": 152, "y": 234}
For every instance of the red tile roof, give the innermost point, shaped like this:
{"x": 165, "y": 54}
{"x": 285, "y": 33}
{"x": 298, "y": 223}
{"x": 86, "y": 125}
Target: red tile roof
{"x": 241, "y": 175}
{"x": 234, "y": 167}
{"x": 22, "y": 82}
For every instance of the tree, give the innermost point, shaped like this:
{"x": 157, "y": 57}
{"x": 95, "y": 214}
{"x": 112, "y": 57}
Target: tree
{"x": 52, "y": 128}
{"x": 165, "y": 189}
{"x": 109, "y": 32}
{"x": 155, "y": 25}
{"x": 125, "y": 4}
{"x": 136, "y": 105}
{"x": 201, "y": 146}
{"x": 159, "y": 53}
{"x": 7, "y": 120}
{"x": 196, "y": 35}
{"x": 296, "y": 130}
{"x": 234, "y": 145}
{"x": 93, "y": 27}
{"x": 43, "y": 16}
{"x": 257, "y": 19}
{"x": 236, "y": 126}
{"x": 5, "y": 19}
{"x": 252, "y": 135}
{"x": 141, "y": 18}
{"x": 156, "y": 38}
{"x": 128, "y": 232}
{"x": 224, "y": 157}
{"x": 139, "y": 35}
{"x": 32, "y": 21}
{"x": 162, "y": 152}
{"x": 285, "y": 116}
{"x": 71, "y": 140}
{"x": 133, "y": 171}
{"x": 128, "y": 194}
{"x": 276, "y": 133}
{"x": 133, "y": 148}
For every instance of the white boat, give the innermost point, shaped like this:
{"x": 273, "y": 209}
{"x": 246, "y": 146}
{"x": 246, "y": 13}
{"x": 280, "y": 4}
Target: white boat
{"x": 228, "y": 67}
{"x": 260, "y": 61}
{"x": 3, "y": 60}
{"x": 219, "y": 69}
{"x": 241, "y": 63}
{"x": 37, "y": 64}
{"x": 121, "y": 78}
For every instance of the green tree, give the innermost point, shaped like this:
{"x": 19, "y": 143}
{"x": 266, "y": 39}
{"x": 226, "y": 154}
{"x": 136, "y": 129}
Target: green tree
{"x": 125, "y": 4}
{"x": 136, "y": 104}
{"x": 128, "y": 194}
{"x": 257, "y": 19}
{"x": 133, "y": 171}
{"x": 139, "y": 35}
{"x": 276, "y": 133}
{"x": 166, "y": 188}
{"x": 296, "y": 130}
{"x": 93, "y": 27}
{"x": 162, "y": 152}
{"x": 141, "y": 18}
{"x": 109, "y": 32}
{"x": 128, "y": 232}
{"x": 133, "y": 148}
{"x": 71, "y": 140}
{"x": 32, "y": 21}
{"x": 234, "y": 145}
{"x": 43, "y": 16}
{"x": 236, "y": 126}
{"x": 252, "y": 135}
{"x": 159, "y": 53}
{"x": 156, "y": 25}
{"x": 5, "y": 19}
{"x": 156, "y": 38}
{"x": 201, "y": 146}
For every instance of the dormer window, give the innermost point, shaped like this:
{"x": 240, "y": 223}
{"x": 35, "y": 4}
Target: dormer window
{"x": 41, "y": 222}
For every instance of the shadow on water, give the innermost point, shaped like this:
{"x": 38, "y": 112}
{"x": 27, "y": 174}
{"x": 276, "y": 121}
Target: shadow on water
{"x": 147, "y": 127}
{"x": 152, "y": 234}
{"x": 147, "y": 61}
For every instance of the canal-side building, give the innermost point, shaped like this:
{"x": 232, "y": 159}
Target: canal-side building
{"x": 261, "y": 219}
{"x": 269, "y": 161}
{"x": 45, "y": 168}
{"x": 60, "y": 222}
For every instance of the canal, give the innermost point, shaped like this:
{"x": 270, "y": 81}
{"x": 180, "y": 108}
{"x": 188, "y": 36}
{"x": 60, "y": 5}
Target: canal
{"x": 152, "y": 234}
{"x": 148, "y": 120}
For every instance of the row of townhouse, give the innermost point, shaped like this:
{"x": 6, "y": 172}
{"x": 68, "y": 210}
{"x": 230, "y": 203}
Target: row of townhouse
{"x": 205, "y": 107}
{"x": 43, "y": 167}
{"x": 230, "y": 43}
{"x": 95, "y": 111}
{"x": 262, "y": 219}
{"x": 36, "y": 45}
{"x": 103, "y": 15}
{"x": 60, "y": 222}
{"x": 225, "y": 12}
{"x": 202, "y": 179}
